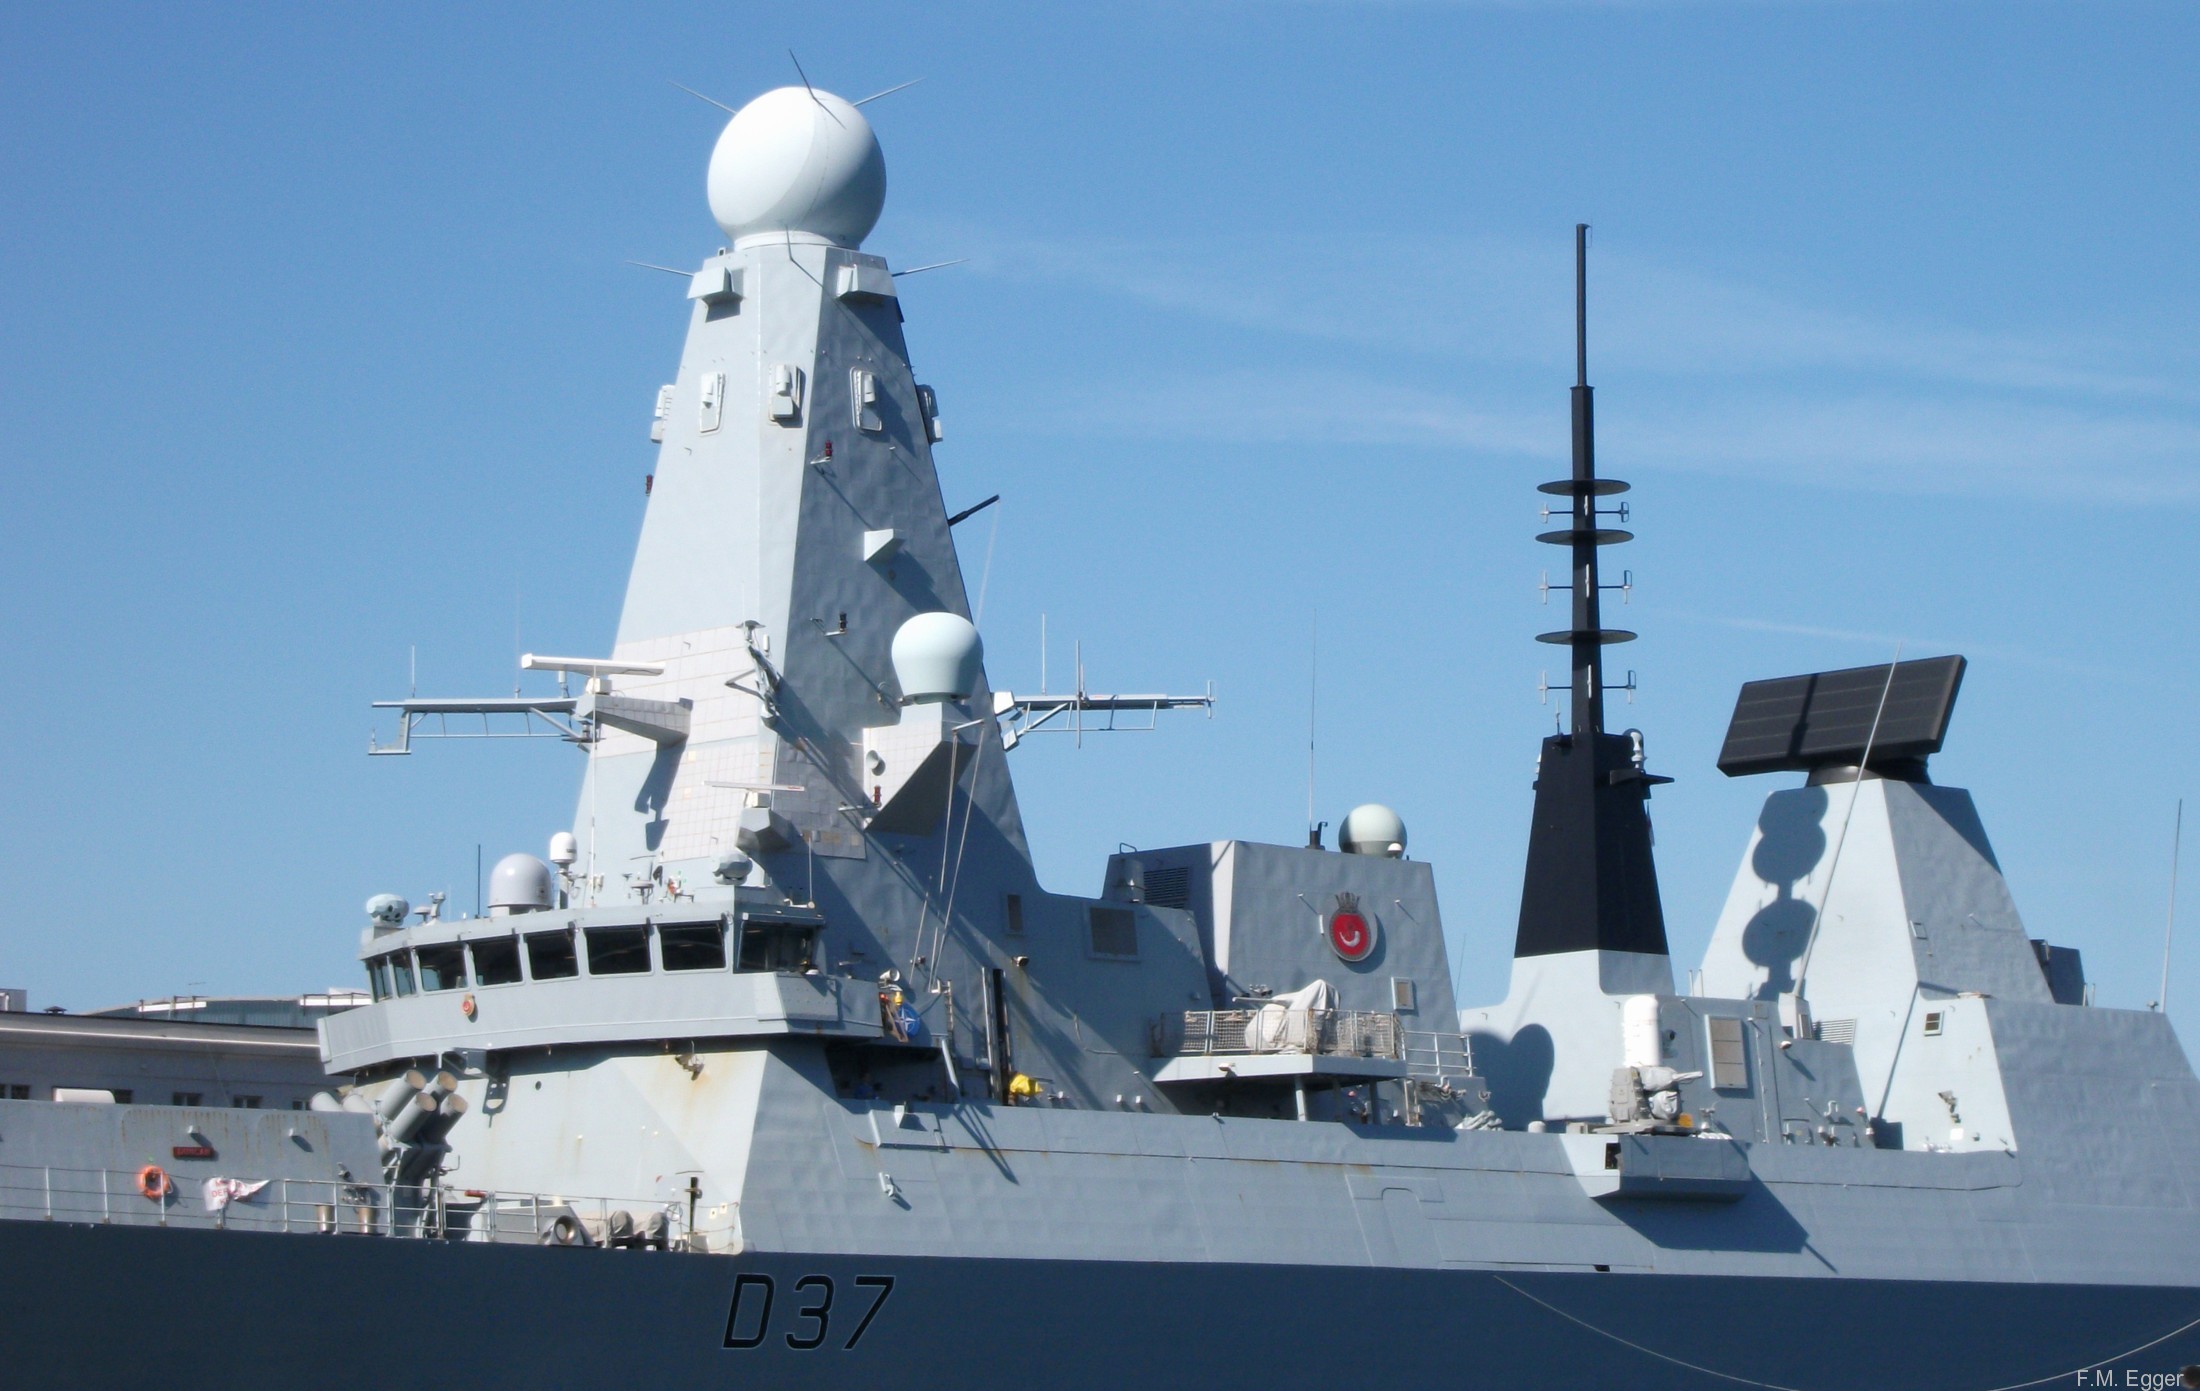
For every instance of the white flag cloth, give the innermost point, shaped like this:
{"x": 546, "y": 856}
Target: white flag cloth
{"x": 221, "y": 1192}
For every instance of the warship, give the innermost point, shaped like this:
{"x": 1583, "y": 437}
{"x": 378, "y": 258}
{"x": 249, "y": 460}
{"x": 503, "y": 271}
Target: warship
{"x": 780, "y": 1068}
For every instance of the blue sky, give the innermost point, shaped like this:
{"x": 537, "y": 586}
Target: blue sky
{"x": 320, "y": 348}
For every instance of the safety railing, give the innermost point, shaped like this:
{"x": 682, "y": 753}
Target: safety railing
{"x": 1277, "y": 1029}
{"x": 1437, "y": 1057}
{"x": 151, "y": 1197}
{"x": 1428, "y": 1055}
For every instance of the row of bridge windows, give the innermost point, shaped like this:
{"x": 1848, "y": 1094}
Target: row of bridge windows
{"x": 560, "y": 953}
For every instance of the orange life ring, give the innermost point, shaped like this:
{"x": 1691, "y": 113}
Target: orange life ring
{"x": 153, "y": 1182}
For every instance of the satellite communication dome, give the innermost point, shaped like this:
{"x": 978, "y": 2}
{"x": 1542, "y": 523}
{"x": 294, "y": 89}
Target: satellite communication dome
{"x": 937, "y": 656}
{"x": 794, "y": 160}
{"x": 1372, "y": 829}
{"x": 520, "y": 884}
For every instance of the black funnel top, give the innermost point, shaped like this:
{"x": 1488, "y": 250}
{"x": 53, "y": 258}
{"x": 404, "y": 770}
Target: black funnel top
{"x": 1591, "y": 883}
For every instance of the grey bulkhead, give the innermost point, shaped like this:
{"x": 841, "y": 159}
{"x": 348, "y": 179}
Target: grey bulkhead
{"x": 1915, "y": 928}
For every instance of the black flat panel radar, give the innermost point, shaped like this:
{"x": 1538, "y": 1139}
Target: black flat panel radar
{"x": 1825, "y": 719}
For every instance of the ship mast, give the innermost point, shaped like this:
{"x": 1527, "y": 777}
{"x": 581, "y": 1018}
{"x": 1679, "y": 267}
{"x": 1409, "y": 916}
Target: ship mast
{"x": 1590, "y": 882}
{"x": 1584, "y": 538}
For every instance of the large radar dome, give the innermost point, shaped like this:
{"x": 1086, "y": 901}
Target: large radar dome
{"x": 794, "y": 160}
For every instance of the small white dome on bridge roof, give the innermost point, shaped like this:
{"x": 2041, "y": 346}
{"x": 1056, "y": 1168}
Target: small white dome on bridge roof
{"x": 520, "y": 884}
{"x": 1372, "y": 829}
{"x": 794, "y": 160}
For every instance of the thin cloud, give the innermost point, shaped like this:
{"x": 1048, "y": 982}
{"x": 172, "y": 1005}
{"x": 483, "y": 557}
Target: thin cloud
{"x": 1293, "y": 406}
{"x": 1759, "y": 384}
{"x": 1930, "y": 446}
{"x": 1886, "y": 644}
{"x": 1506, "y": 300}
{"x": 1862, "y": 442}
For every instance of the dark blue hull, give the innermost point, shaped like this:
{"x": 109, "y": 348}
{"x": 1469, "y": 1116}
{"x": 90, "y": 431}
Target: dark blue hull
{"x": 137, "y": 1307}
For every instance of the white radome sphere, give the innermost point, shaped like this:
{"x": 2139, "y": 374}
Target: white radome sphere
{"x": 1371, "y": 829}
{"x": 793, "y": 161}
{"x": 937, "y": 656}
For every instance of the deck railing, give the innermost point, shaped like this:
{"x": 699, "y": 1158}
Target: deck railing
{"x": 1428, "y": 1055}
{"x": 1438, "y": 1057}
{"x": 1272, "y": 1029}
{"x": 336, "y": 1208}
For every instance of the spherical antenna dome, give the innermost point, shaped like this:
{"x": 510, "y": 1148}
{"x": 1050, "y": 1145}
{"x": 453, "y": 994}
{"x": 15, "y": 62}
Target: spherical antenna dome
{"x": 520, "y": 884}
{"x": 1372, "y": 829}
{"x": 797, "y": 161}
{"x": 937, "y": 656}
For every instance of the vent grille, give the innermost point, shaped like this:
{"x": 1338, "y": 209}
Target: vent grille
{"x": 1171, "y": 887}
{"x": 1114, "y": 932}
{"x": 1837, "y": 1031}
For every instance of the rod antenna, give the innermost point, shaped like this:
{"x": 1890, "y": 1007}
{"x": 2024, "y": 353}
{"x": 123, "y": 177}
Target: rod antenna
{"x": 1581, "y": 304}
{"x": 2176, "y": 843}
{"x": 810, "y": 89}
{"x": 1856, "y": 790}
{"x": 712, "y": 100}
{"x": 898, "y": 87}
{"x": 1313, "y": 697}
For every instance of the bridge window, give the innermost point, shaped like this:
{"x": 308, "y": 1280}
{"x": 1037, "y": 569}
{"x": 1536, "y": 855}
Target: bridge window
{"x": 550, "y": 955}
{"x": 496, "y": 960}
{"x": 692, "y": 946}
{"x": 777, "y": 946}
{"x": 618, "y": 951}
{"x": 378, "y": 979}
{"x": 442, "y": 967}
{"x": 401, "y": 973}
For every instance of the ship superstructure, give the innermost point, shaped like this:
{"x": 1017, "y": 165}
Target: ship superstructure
{"x": 879, "y": 1104}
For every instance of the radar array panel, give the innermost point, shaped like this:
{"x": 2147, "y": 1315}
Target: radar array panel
{"x": 1898, "y": 712}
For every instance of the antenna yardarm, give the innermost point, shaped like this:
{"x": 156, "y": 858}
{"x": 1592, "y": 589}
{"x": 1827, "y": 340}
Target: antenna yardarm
{"x": 1586, "y": 534}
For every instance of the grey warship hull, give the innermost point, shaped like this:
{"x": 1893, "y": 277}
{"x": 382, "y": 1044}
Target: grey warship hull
{"x": 501, "y": 1316}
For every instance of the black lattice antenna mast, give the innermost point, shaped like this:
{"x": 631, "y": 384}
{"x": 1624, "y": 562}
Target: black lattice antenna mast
{"x": 1586, "y": 534}
{"x": 1591, "y": 882}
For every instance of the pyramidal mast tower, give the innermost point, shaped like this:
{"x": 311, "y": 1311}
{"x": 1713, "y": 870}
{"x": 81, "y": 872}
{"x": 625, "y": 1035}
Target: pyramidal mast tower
{"x": 792, "y": 736}
{"x": 1591, "y": 929}
{"x": 764, "y": 691}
